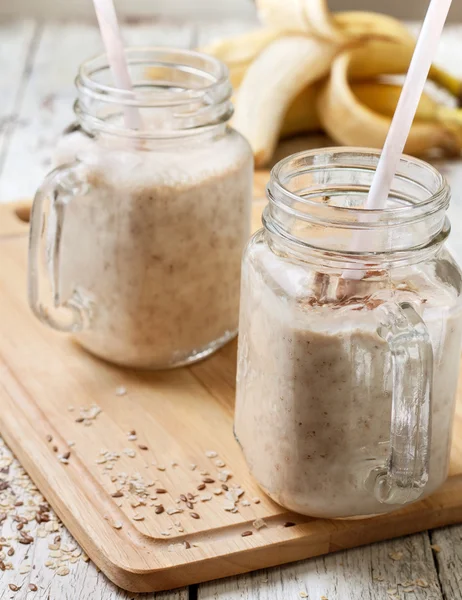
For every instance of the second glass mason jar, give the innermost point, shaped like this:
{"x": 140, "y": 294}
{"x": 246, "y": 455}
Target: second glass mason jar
{"x": 348, "y": 360}
{"x": 136, "y": 240}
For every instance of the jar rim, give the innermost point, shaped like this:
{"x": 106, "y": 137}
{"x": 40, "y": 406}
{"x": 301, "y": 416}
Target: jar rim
{"x": 349, "y": 216}
{"x": 214, "y": 72}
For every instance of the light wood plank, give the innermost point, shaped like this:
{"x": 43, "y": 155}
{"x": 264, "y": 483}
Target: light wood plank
{"x": 447, "y": 548}
{"x": 50, "y": 93}
{"x": 17, "y": 39}
{"x": 83, "y": 582}
{"x": 376, "y": 572}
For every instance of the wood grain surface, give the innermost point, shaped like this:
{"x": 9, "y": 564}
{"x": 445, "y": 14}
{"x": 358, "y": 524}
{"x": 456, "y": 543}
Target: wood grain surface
{"x": 180, "y": 416}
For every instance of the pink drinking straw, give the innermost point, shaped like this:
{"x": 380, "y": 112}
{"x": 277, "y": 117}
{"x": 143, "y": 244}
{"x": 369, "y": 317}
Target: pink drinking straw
{"x": 404, "y": 115}
{"x": 112, "y": 40}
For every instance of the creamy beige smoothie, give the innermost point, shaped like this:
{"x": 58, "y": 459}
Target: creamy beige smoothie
{"x": 154, "y": 245}
{"x": 313, "y": 407}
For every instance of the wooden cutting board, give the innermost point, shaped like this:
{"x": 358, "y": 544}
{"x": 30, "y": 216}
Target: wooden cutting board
{"x": 179, "y": 416}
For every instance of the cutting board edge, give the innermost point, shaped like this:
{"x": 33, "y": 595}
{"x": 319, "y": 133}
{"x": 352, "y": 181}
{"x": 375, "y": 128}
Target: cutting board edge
{"x": 314, "y": 538}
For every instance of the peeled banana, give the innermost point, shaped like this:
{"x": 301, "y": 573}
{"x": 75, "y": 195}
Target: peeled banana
{"x": 272, "y": 82}
{"x": 352, "y": 122}
{"x": 308, "y": 68}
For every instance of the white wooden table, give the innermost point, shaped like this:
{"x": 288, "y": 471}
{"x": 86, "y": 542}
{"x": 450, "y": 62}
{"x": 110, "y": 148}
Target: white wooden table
{"x": 38, "y": 62}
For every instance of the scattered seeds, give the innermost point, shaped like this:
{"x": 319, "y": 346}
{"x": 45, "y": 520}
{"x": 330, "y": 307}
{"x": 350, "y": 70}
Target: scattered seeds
{"x": 396, "y": 555}
{"x": 117, "y": 494}
{"x": 33, "y": 587}
{"x": 189, "y": 505}
{"x": 201, "y": 486}
{"x": 10, "y": 551}
{"x": 49, "y": 438}
{"x": 194, "y": 515}
{"x": 224, "y": 487}
{"x": 187, "y": 545}
{"x": 436, "y": 547}
{"x": 256, "y": 500}
{"x": 67, "y": 454}
{"x": 159, "y": 509}
{"x": 246, "y": 533}
{"x": 143, "y": 447}
{"x": 289, "y": 524}
{"x": 160, "y": 468}
{"x": 208, "y": 480}
{"x": 193, "y": 467}
{"x": 55, "y": 448}
{"x": 13, "y": 587}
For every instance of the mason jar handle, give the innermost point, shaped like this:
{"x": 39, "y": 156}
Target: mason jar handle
{"x": 46, "y": 228}
{"x": 405, "y": 475}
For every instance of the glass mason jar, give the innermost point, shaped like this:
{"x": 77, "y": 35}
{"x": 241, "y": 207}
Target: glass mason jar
{"x": 346, "y": 384}
{"x": 137, "y": 237}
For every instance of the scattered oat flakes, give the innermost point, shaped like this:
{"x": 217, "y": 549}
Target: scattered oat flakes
{"x": 174, "y": 511}
{"x": 423, "y": 583}
{"x": 117, "y": 525}
{"x": 228, "y": 505}
{"x": 129, "y": 452}
{"x": 120, "y": 391}
{"x": 303, "y": 594}
{"x": 160, "y": 468}
{"x": 398, "y": 555}
{"x": 193, "y": 467}
{"x": 205, "y": 497}
{"x": 436, "y": 547}
{"x": 62, "y": 571}
{"x": 211, "y": 454}
{"x": 256, "y": 500}
{"x": 217, "y": 491}
{"x": 259, "y": 524}
{"x": 220, "y": 463}
{"x": 165, "y": 533}
{"x": 224, "y": 475}
{"x": 245, "y": 503}
{"x": 138, "y": 518}
{"x": 70, "y": 408}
